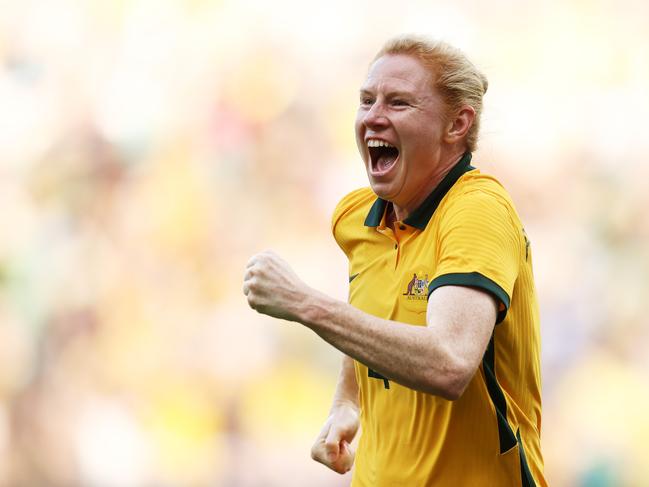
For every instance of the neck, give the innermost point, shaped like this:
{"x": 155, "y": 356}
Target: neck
{"x": 391, "y": 216}
{"x": 399, "y": 212}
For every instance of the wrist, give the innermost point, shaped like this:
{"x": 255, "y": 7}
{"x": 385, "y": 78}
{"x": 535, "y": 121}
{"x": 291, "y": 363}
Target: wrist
{"x": 312, "y": 310}
{"x": 341, "y": 404}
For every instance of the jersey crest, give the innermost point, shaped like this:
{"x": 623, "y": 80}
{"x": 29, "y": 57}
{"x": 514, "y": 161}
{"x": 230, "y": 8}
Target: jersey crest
{"x": 417, "y": 287}
{"x": 413, "y": 289}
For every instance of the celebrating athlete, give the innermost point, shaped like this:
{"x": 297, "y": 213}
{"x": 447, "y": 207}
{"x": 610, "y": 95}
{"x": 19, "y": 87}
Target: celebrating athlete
{"x": 441, "y": 372}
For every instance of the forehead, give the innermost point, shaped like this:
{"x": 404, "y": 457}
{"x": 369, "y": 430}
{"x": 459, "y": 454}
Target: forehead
{"x": 399, "y": 71}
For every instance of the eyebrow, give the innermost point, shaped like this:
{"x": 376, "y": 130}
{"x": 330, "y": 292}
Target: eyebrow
{"x": 390, "y": 94}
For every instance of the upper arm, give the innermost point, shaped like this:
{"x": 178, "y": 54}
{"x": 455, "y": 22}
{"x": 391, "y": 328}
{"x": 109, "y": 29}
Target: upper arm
{"x": 480, "y": 246}
{"x": 463, "y": 319}
{"x": 476, "y": 266}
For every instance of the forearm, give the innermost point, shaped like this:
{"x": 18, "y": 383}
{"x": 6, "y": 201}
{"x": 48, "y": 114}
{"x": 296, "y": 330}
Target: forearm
{"x": 410, "y": 355}
{"x": 439, "y": 358}
{"x": 347, "y": 387}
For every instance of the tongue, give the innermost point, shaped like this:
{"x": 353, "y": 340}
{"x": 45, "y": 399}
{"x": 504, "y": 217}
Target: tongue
{"x": 385, "y": 161}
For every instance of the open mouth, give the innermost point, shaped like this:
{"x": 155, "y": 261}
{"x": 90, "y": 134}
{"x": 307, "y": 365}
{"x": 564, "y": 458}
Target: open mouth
{"x": 382, "y": 155}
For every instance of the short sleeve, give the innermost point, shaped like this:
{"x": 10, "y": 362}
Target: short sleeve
{"x": 479, "y": 246}
{"x": 345, "y": 221}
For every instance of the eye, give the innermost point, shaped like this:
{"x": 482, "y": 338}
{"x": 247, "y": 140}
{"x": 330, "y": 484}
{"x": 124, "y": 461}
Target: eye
{"x": 366, "y": 100}
{"x": 399, "y": 103}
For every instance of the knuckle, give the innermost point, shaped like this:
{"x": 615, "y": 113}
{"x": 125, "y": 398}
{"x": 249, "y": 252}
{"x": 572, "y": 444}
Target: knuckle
{"x": 333, "y": 438}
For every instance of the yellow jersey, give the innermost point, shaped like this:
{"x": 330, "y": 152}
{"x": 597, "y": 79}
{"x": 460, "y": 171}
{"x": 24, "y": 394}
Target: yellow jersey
{"x": 466, "y": 233}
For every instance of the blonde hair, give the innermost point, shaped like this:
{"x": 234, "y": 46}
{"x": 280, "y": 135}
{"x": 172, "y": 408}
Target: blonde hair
{"x": 457, "y": 80}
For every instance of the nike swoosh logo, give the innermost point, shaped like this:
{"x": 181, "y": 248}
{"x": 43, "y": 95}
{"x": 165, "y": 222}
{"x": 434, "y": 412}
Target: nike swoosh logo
{"x": 351, "y": 278}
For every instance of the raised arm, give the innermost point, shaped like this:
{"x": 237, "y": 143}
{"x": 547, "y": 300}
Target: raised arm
{"x": 439, "y": 359}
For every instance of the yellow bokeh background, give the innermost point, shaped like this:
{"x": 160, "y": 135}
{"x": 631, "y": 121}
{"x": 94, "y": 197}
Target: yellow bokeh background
{"x": 149, "y": 148}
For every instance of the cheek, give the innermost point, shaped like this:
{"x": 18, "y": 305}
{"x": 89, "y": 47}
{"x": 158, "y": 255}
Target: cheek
{"x": 358, "y": 125}
{"x": 423, "y": 142}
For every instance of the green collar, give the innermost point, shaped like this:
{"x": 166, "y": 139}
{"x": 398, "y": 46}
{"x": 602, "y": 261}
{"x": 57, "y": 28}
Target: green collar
{"x": 422, "y": 215}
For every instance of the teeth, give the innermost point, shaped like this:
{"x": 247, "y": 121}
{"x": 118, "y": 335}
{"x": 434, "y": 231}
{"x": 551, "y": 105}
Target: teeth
{"x": 378, "y": 143}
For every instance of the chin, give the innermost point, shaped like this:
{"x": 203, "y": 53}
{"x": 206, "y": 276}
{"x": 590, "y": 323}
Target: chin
{"x": 387, "y": 187}
{"x": 383, "y": 190}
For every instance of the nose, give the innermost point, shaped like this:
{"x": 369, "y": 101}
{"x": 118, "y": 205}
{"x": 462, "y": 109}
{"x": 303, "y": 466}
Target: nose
{"x": 375, "y": 116}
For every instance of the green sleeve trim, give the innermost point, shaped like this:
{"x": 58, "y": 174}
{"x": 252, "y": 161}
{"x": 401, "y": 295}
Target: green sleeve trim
{"x": 527, "y": 480}
{"x": 506, "y": 438}
{"x": 474, "y": 279}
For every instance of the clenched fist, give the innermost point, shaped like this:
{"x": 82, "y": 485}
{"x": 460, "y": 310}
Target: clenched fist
{"x": 272, "y": 288}
{"x": 333, "y": 447}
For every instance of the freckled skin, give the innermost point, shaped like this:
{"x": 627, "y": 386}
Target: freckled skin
{"x": 272, "y": 288}
{"x": 398, "y": 104}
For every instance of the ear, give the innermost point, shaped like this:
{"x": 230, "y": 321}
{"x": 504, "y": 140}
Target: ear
{"x": 459, "y": 126}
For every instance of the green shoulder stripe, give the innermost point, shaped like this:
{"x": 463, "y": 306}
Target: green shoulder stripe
{"x": 473, "y": 279}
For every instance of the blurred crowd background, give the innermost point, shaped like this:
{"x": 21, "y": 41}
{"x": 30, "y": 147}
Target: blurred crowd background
{"x": 149, "y": 147}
